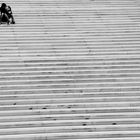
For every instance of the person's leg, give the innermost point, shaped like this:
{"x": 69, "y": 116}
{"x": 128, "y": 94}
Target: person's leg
{"x": 11, "y": 18}
{"x": 0, "y": 19}
{"x": 7, "y": 18}
{"x": 13, "y": 21}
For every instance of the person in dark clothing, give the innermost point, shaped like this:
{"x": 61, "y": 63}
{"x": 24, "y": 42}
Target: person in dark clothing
{"x": 6, "y": 14}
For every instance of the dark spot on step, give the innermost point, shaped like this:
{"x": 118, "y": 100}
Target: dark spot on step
{"x": 87, "y": 118}
{"x": 81, "y": 91}
{"x": 89, "y": 130}
{"x": 73, "y": 111}
{"x": 69, "y": 106}
{"x": 30, "y": 108}
{"x": 44, "y": 108}
{"x": 84, "y": 124}
{"x": 114, "y": 123}
{"x": 14, "y": 103}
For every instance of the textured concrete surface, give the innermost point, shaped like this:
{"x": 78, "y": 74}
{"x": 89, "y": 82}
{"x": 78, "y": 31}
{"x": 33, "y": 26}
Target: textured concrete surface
{"x": 70, "y": 70}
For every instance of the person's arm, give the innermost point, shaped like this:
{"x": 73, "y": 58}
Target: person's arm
{"x": 0, "y": 11}
{"x": 9, "y": 10}
{"x": 0, "y": 15}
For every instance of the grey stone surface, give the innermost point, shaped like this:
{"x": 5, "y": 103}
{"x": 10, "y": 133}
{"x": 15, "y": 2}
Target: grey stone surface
{"x": 70, "y": 70}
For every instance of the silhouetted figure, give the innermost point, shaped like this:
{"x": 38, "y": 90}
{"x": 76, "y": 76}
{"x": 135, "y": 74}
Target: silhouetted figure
{"x": 6, "y": 14}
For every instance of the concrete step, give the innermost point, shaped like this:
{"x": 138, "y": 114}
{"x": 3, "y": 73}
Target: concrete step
{"x": 69, "y": 70}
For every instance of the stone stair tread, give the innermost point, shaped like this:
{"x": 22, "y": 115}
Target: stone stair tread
{"x": 69, "y": 70}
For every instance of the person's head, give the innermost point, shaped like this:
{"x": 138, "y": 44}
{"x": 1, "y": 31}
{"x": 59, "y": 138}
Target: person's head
{"x": 3, "y": 5}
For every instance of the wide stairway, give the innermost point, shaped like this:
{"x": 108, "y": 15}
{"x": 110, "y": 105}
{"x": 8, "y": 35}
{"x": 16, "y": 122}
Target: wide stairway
{"x": 70, "y": 70}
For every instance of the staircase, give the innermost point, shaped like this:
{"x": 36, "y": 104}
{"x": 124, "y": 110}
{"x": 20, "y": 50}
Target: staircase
{"x": 70, "y": 70}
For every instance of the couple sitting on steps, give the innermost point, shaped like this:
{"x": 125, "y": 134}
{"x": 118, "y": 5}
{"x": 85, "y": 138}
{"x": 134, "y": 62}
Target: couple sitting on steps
{"x": 6, "y": 14}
